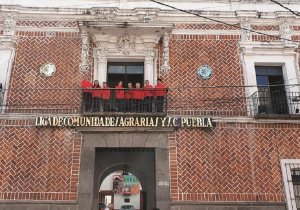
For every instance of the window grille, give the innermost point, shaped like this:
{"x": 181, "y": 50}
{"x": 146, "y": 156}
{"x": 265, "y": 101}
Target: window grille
{"x": 291, "y": 179}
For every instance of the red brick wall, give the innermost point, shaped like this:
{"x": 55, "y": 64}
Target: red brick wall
{"x": 38, "y": 163}
{"x": 29, "y": 88}
{"x": 187, "y": 53}
{"x": 231, "y": 162}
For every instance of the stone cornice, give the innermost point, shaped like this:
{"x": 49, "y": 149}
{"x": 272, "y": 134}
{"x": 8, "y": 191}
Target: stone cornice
{"x": 270, "y": 48}
{"x": 139, "y": 14}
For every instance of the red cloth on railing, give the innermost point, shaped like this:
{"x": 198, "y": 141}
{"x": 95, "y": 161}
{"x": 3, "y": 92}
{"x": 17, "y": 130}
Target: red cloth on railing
{"x": 86, "y": 86}
{"x": 138, "y": 94}
{"x": 148, "y": 91}
{"x": 119, "y": 92}
{"x": 160, "y": 90}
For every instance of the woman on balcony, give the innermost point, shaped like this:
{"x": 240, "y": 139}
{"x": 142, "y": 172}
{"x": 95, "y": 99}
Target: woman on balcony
{"x": 96, "y": 94}
{"x": 105, "y": 95}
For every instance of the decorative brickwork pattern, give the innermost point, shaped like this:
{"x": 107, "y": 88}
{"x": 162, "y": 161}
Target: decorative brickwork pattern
{"x": 265, "y": 27}
{"x": 205, "y": 26}
{"x": 264, "y": 38}
{"x": 187, "y": 54}
{"x": 39, "y": 163}
{"x": 34, "y": 91}
{"x": 47, "y": 34}
{"x": 232, "y": 162}
{"x": 60, "y": 24}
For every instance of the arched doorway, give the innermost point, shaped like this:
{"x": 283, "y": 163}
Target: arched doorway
{"x": 121, "y": 190}
{"x": 132, "y": 164}
{"x": 145, "y": 152}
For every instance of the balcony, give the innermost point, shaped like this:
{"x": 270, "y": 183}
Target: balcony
{"x": 210, "y": 102}
{"x": 275, "y": 104}
{"x": 76, "y": 101}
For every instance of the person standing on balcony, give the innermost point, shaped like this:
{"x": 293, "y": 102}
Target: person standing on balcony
{"x": 120, "y": 97}
{"x": 105, "y": 95}
{"x": 128, "y": 97}
{"x": 96, "y": 94}
{"x": 160, "y": 93}
{"x": 148, "y": 96}
{"x": 138, "y": 98}
{"x": 87, "y": 94}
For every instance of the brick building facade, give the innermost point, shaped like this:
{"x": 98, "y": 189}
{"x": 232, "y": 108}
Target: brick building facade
{"x": 248, "y": 160}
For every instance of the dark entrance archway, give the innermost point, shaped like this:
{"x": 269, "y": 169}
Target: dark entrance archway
{"x": 140, "y": 162}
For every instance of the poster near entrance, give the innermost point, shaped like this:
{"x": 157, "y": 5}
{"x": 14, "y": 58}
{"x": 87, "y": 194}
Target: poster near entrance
{"x": 125, "y": 184}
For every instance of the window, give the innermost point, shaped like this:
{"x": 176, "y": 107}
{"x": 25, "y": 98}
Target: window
{"x": 271, "y": 90}
{"x": 125, "y": 72}
{"x": 254, "y": 54}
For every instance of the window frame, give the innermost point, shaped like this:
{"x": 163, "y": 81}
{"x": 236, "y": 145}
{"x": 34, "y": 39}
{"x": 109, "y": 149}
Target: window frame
{"x": 286, "y": 166}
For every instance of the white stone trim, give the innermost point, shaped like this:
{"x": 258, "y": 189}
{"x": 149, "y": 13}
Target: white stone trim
{"x": 124, "y": 4}
{"x": 268, "y": 54}
{"x": 7, "y": 55}
{"x": 286, "y": 165}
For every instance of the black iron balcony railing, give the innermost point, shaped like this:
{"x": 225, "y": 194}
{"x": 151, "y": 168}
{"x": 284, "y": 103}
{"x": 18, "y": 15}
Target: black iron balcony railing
{"x": 88, "y": 102}
{"x": 107, "y": 100}
{"x": 212, "y": 102}
{"x": 271, "y": 103}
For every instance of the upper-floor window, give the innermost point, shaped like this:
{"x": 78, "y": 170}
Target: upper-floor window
{"x": 132, "y": 72}
{"x": 271, "y": 90}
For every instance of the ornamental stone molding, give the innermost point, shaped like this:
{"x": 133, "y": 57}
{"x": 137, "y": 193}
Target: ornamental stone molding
{"x": 126, "y": 43}
{"x": 101, "y": 49}
{"x": 165, "y": 56}
{"x": 285, "y": 29}
{"x": 246, "y": 27}
{"x": 9, "y": 25}
{"x": 108, "y": 14}
{"x": 246, "y": 18}
{"x": 149, "y": 49}
{"x": 147, "y": 15}
{"x": 84, "y": 66}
